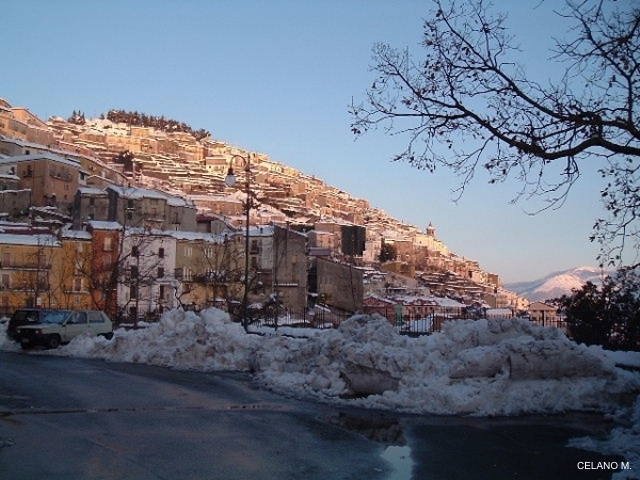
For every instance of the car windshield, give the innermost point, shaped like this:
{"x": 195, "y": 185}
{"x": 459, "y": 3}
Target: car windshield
{"x": 25, "y": 316}
{"x": 54, "y": 316}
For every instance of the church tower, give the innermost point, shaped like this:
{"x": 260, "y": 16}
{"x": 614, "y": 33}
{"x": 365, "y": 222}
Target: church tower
{"x": 431, "y": 230}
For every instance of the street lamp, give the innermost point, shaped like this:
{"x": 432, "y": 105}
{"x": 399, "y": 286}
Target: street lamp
{"x": 230, "y": 181}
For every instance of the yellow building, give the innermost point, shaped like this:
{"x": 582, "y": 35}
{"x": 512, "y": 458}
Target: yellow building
{"x": 26, "y": 276}
{"x": 72, "y": 272}
{"x": 41, "y": 270}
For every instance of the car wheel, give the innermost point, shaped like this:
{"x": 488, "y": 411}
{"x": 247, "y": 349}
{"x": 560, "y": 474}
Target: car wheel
{"x": 108, "y": 336}
{"x": 54, "y": 341}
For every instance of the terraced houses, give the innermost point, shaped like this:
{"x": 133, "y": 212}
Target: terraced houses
{"x": 137, "y": 251}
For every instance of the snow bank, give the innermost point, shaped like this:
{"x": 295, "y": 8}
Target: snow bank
{"x": 184, "y": 340}
{"x": 483, "y": 367}
{"x": 6, "y": 344}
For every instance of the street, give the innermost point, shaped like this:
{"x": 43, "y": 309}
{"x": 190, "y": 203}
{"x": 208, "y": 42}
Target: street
{"x": 69, "y": 418}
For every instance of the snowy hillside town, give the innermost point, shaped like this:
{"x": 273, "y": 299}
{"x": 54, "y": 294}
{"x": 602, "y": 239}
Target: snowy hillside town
{"x": 315, "y": 293}
{"x": 136, "y": 220}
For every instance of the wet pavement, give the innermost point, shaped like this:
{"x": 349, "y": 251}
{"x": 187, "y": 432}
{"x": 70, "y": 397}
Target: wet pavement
{"x": 67, "y": 418}
{"x": 440, "y": 447}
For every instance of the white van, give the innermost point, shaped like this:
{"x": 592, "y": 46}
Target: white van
{"x": 61, "y": 326}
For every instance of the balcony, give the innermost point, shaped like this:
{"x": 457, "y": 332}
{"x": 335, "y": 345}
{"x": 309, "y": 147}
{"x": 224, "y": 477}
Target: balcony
{"x": 25, "y": 266}
{"x": 61, "y": 175}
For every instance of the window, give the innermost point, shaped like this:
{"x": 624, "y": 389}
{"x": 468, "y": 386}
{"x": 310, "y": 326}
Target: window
{"x": 92, "y": 201}
{"x": 106, "y": 261}
{"x": 134, "y": 251}
{"x": 107, "y": 247}
{"x": 161, "y": 252}
{"x": 162, "y": 293}
{"x": 211, "y": 275}
{"x": 96, "y": 317}
{"x": 134, "y": 272}
{"x": 208, "y": 252}
{"x": 160, "y": 272}
{"x": 188, "y": 251}
{"x": 187, "y": 275}
{"x": 77, "y": 284}
{"x": 77, "y": 318}
{"x": 133, "y": 291}
{"x": 130, "y": 204}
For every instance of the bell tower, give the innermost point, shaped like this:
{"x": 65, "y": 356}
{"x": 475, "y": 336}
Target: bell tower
{"x": 431, "y": 230}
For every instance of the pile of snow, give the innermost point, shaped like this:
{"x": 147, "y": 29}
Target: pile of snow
{"x": 482, "y": 367}
{"x": 6, "y": 344}
{"x": 208, "y": 342}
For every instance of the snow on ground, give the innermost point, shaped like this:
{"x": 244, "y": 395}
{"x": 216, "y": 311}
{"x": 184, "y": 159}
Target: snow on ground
{"x": 482, "y": 367}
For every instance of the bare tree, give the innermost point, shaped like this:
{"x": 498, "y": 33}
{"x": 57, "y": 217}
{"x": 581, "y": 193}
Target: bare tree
{"x": 141, "y": 268}
{"x": 468, "y": 93}
{"x": 72, "y": 275}
{"x": 33, "y": 271}
{"x": 127, "y": 263}
{"x": 216, "y": 272}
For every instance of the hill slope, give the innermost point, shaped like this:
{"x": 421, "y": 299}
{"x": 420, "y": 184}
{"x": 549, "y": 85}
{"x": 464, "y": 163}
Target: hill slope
{"x": 556, "y": 284}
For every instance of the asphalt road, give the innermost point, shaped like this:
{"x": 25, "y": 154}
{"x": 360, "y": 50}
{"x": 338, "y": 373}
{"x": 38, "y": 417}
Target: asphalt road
{"x": 73, "y": 419}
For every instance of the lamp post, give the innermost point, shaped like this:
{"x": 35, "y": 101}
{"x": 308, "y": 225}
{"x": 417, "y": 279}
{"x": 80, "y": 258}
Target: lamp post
{"x": 230, "y": 181}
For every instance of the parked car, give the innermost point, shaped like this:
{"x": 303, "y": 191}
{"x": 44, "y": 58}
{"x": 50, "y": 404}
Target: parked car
{"x": 27, "y": 316}
{"x": 54, "y": 327}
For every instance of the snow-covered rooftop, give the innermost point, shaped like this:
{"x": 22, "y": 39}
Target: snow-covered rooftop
{"x": 31, "y": 240}
{"x": 103, "y": 225}
{"x": 39, "y": 156}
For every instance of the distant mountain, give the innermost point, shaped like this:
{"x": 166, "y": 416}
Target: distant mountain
{"x": 556, "y": 284}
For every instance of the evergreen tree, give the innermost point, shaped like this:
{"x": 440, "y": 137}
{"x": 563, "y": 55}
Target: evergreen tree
{"x": 388, "y": 252}
{"x": 607, "y": 315}
{"x": 139, "y": 119}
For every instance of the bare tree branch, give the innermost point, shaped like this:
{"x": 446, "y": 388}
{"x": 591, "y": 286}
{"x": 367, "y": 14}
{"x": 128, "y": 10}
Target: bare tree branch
{"x": 466, "y": 104}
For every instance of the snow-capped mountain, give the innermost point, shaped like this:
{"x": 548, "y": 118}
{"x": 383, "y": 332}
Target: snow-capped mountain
{"x": 557, "y": 284}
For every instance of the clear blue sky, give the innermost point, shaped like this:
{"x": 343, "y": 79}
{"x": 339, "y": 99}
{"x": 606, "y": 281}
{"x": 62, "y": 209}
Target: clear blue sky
{"x": 277, "y": 77}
